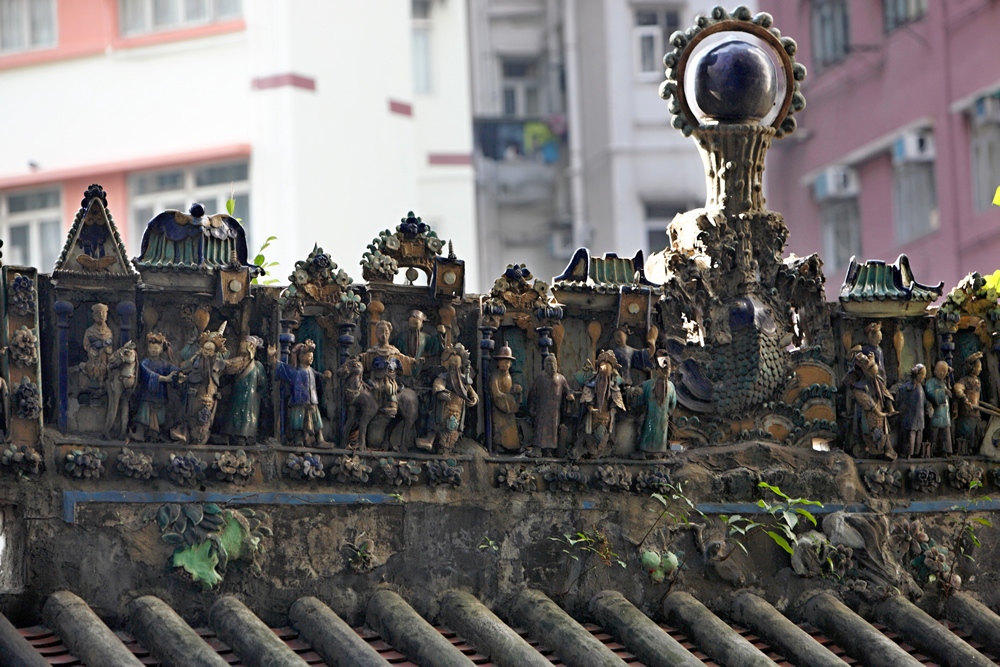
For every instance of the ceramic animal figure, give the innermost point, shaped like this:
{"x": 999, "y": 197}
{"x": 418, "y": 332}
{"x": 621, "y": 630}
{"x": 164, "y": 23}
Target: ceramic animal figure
{"x": 362, "y": 406}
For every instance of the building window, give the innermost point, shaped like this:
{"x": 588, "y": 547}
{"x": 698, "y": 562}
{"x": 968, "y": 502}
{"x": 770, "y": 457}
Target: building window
{"x": 27, "y": 25}
{"x": 830, "y": 36}
{"x": 142, "y": 16}
{"x": 841, "y": 231}
{"x": 659, "y": 214}
{"x": 209, "y": 185}
{"x": 421, "y": 36}
{"x": 520, "y": 87}
{"x": 900, "y": 12}
{"x": 30, "y": 224}
{"x": 914, "y": 200}
{"x": 652, "y": 29}
{"x": 985, "y": 151}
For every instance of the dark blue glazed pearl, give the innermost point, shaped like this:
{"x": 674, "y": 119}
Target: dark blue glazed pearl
{"x": 735, "y": 82}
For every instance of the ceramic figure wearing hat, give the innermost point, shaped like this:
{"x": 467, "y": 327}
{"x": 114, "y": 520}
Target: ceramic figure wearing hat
{"x": 872, "y": 407}
{"x": 249, "y": 381}
{"x": 549, "y": 394}
{"x": 601, "y": 401}
{"x": 201, "y": 373}
{"x": 384, "y": 362}
{"x": 506, "y": 399}
{"x": 939, "y": 399}
{"x": 97, "y": 343}
{"x": 912, "y": 402}
{"x": 305, "y": 424}
{"x": 657, "y": 396}
{"x": 453, "y": 393}
{"x": 872, "y": 347}
{"x": 968, "y": 395}
{"x": 155, "y": 374}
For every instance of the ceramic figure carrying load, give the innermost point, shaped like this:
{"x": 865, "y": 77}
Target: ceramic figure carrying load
{"x": 201, "y": 373}
{"x": 453, "y": 393}
{"x": 872, "y": 407}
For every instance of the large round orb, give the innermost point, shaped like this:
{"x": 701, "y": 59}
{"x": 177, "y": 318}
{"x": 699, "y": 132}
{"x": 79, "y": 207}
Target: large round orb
{"x": 735, "y": 82}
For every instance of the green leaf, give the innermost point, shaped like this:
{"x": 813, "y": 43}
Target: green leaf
{"x": 762, "y": 504}
{"x": 985, "y": 522}
{"x": 230, "y": 205}
{"x": 779, "y": 540}
{"x": 258, "y": 260}
{"x": 807, "y": 514}
{"x": 790, "y": 519}
{"x": 773, "y": 489}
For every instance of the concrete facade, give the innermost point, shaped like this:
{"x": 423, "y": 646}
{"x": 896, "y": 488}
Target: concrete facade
{"x": 926, "y": 76}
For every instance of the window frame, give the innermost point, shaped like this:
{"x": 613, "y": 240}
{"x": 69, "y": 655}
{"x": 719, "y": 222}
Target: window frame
{"x": 424, "y": 25}
{"x": 905, "y": 200}
{"x": 984, "y": 137}
{"x": 33, "y": 219}
{"x": 190, "y": 193}
{"x": 839, "y": 13}
{"x": 830, "y": 224}
{"x": 149, "y": 26}
{"x": 915, "y": 10}
{"x": 660, "y": 32}
{"x": 520, "y": 87}
{"x": 26, "y": 27}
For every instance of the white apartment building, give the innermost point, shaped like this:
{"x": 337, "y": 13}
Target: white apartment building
{"x": 573, "y": 143}
{"x": 326, "y": 120}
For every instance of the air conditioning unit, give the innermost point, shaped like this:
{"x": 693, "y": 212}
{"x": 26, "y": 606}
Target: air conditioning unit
{"x": 987, "y": 110}
{"x": 914, "y": 147}
{"x": 837, "y": 182}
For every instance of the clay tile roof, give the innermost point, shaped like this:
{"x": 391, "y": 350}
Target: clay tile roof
{"x": 535, "y": 630}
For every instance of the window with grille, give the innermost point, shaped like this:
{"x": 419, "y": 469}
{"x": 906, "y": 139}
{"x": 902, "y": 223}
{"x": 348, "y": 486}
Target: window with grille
{"x": 136, "y": 17}
{"x": 26, "y": 25}
{"x": 650, "y": 33}
{"x": 841, "y": 231}
{"x": 985, "y": 163}
{"x": 31, "y": 226}
{"x": 211, "y": 185}
{"x": 896, "y": 13}
{"x": 830, "y": 31}
{"x": 915, "y": 207}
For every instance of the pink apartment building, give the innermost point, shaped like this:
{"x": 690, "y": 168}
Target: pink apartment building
{"x": 898, "y": 149}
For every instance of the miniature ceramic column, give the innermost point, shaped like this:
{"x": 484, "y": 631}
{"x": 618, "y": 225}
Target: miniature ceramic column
{"x": 545, "y": 314}
{"x": 486, "y": 346}
{"x": 286, "y": 338}
{"x": 345, "y": 342}
{"x": 63, "y": 310}
{"x": 126, "y": 310}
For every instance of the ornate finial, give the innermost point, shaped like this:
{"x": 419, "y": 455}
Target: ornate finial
{"x": 95, "y": 191}
{"x": 738, "y": 80}
{"x": 451, "y": 251}
{"x": 197, "y": 210}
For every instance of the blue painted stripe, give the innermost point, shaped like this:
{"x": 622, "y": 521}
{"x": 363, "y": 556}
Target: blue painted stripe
{"x": 71, "y": 498}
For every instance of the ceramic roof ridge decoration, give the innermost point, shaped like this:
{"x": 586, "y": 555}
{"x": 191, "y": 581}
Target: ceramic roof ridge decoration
{"x": 874, "y": 287}
{"x": 94, "y": 251}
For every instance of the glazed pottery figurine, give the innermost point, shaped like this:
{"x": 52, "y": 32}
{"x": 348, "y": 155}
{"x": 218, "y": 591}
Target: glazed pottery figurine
{"x": 873, "y": 333}
{"x": 305, "y": 424}
{"x": 629, "y": 357}
{"x": 201, "y": 374}
{"x": 249, "y": 381}
{"x": 601, "y": 401}
{"x": 506, "y": 399}
{"x": 872, "y": 407}
{"x": 383, "y": 361}
{"x": 659, "y": 399}
{"x": 939, "y": 398}
{"x": 415, "y": 342}
{"x": 154, "y": 376}
{"x": 968, "y": 391}
{"x": 122, "y": 372}
{"x": 453, "y": 393}
{"x": 549, "y": 394}
{"x": 97, "y": 343}
{"x": 912, "y": 404}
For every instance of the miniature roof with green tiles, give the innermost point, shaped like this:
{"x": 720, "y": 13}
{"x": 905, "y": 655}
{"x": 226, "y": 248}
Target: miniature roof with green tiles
{"x": 604, "y": 274}
{"x": 876, "y": 288}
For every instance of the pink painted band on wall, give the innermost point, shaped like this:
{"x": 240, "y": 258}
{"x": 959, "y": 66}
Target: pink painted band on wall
{"x": 401, "y": 108}
{"x": 440, "y": 159}
{"x": 281, "y": 80}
